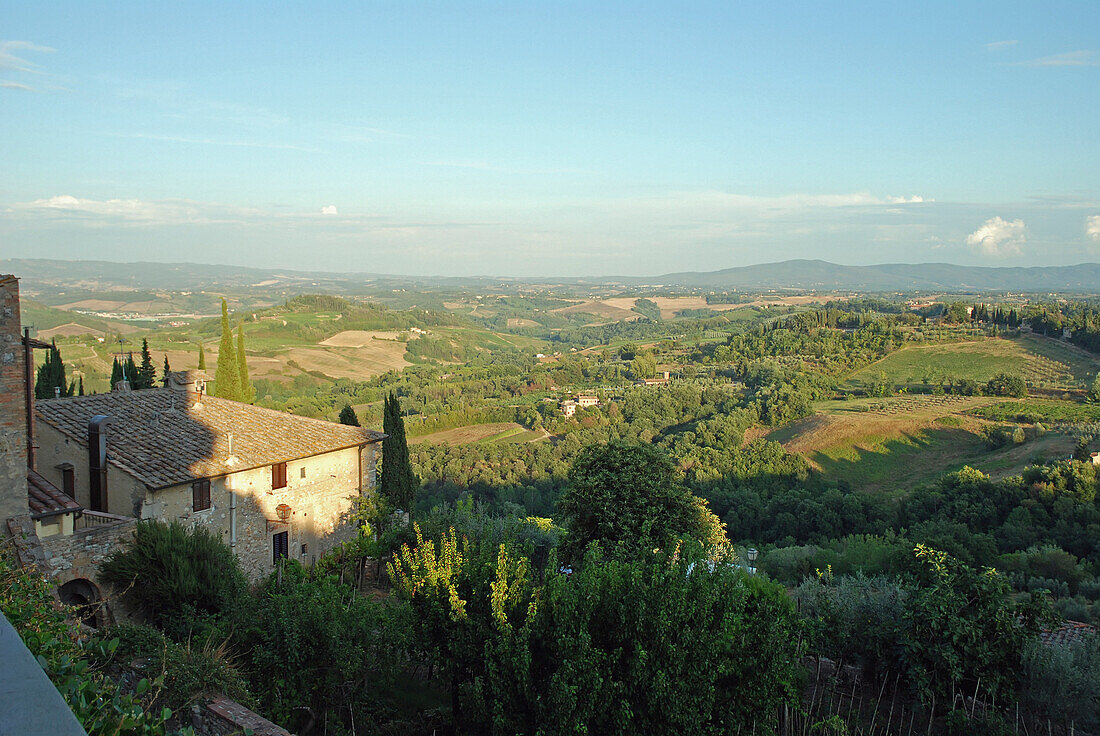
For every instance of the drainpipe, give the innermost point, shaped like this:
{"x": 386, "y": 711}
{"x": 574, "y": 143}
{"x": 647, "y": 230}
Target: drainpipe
{"x": 232, "y": 518}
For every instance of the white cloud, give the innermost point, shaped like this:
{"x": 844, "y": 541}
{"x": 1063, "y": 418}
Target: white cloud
{"x": 10, "y": 62}
{"x": 1092, "y": 226}
{"x": 329, "y": 210}
{"x": 16, "y": 85}
{"x": 1083, "y": 57}
{"x": 998, "y": 237}
{"x": 998, "y": 45}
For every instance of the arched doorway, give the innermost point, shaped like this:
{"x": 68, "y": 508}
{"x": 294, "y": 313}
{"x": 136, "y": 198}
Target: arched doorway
{"x": 84, "y": 596}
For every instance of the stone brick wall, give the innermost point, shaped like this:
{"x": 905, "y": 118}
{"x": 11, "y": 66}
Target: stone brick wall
{"x": 78, "y": 555}
{"x": 13, "y": 422}
{"x": 224, "y": 717}
{"x": 125, "y": 493}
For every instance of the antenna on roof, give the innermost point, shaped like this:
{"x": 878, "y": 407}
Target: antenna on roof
{"x": 120, "y": 355}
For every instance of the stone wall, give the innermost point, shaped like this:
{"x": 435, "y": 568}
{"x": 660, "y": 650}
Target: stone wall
{"x": 224, "y": 717}
{"x": 125, "y": 493}
{"x": 13, "y": 417}
{"x": 78, "y": 555}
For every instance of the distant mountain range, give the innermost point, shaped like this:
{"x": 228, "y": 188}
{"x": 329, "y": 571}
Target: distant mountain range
{"x": 825, "y": 276}
{"x": 795, "y": 274}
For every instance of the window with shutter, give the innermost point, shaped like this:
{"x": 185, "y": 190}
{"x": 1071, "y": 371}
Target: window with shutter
{"x": 280, "y": 545}
{"x": 200, "y": 495}
{"x": 68, "y": 480}
{"x": 278, "y": 476}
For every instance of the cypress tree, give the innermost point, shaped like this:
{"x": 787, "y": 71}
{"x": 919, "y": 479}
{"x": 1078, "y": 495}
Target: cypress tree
{"x": 227, "y": 376}
{"x": 81, "y": 386}
{"x": 248, "y": 391}
{"x": 347, "y": 416}
{"x": 51, "y": 375}
{"x": 399, "y": 482}
{"x": 147, "y": 374}
{"x": 202, "y": 358}
{"x": 116, "y": 373}
{"x": 129, "y": 370}
{"x": 167, "y": 369}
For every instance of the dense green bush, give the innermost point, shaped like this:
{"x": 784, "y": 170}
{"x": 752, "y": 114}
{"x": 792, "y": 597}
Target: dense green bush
{"x": 175, "y": 577}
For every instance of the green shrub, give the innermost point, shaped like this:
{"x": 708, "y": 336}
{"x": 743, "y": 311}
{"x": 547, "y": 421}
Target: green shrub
{"x": 178, "y": 579}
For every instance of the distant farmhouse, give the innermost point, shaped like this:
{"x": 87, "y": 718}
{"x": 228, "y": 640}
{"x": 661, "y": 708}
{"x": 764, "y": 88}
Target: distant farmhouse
{"x": 77, "y": 473}
{"x": 569, "y": 406}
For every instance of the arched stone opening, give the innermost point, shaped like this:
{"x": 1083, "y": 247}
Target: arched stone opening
{"x": 84, "y": 596}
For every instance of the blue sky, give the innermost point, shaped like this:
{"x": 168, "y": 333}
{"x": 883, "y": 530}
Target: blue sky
{"x": 556, "y": 138}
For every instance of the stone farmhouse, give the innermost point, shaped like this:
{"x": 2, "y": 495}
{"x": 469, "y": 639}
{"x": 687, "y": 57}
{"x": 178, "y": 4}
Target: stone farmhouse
{"x": 270, "y": 484}
{"x": 77, "y": 473}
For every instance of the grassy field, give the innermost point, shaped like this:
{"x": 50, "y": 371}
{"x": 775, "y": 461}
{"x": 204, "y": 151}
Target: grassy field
{"x": 480, "y": 434}
{"x": 1042, "y": 362}
{"x": 893, "y": 445}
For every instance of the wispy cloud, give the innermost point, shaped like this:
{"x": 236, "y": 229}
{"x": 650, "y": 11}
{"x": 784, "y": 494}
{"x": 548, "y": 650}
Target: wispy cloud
{"x": 329, "y": 209}
{"x": 475, "y": 165}
{"x": 12, "y": 61}
{"x": 1084, "y": 57}
{"x": 998, "y": 237}
{"x": 999, "y": 45}
{"x": 239, "y": 143}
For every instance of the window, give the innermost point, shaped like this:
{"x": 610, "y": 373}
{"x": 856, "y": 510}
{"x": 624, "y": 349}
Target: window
{"x": 302, "y": 472}
{"x": 68, "y": 480}
{"x": 280, "y": 545}
{"x": 200, "y": 495}
{"x": 278, "y": 476}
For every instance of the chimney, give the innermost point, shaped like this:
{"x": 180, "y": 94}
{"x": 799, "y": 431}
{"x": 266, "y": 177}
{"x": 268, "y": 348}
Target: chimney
{"x": 97, "y": 460}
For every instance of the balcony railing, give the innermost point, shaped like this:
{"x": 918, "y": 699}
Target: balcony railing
{"x": 93, "y": 519}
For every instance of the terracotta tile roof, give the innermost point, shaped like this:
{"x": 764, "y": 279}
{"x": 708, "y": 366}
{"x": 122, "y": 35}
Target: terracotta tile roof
{"x": 163, "y": 437}
{"x": 1067, "y": 633}
{"x": 45, "y": 499}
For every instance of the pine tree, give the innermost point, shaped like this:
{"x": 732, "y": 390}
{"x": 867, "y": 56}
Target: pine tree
{"x": 202, "y": 358}
{"x": 147, "y": 374}
{"x": 248, "y": 391}
{"x": 227, "y": 376}
{"x": 347, "y": 416}
{"x": 399, "y": 483}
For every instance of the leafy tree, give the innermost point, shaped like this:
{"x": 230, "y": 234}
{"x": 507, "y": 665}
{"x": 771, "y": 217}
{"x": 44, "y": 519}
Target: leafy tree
{"x": 248, "y": 391}
{"x": 657, "y": 645}
{"x": 347, "y": 416}
{"x": 398, "y": 483}
{"x": 964, "y": 625}
{"x": 631, "y": 499}
{"x": 202, "y": 358}
{"x": 1004, "y": 384}
{"x": 175, "y": 576}
{"x": 1094, "y": 391}
{"x": 227, "y": 374}
{"x": 51, "y": 375}
{"x": 1081, "y": 449}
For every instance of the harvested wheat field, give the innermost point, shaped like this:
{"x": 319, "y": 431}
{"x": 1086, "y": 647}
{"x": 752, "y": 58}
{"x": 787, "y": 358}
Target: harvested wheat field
{"x": 358, "y": 338}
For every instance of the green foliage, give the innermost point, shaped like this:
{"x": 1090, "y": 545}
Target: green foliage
{"x": 51, "y": 375}
{"x": 101, "y": 705}
{"x": 649, "y": 308}
{"x": 202, "y": 358}
{"x": 631, "y": 499}
{"x": 1094, "y": 390}
{"x": 146, "y": 375}
{"x": 398, "y": 482}
{"x": 189, "y": 671}
{"x": 1004, "y": 384}
{"x": 177, "y": 578}
{"x": 656, "y": 645}
{"x": 1060, "y": 682}
{"x": 227, "y": 374}
{"x": 316, "y": 646}
{"x": 247, "y": 390}
{"x": 347, "y": 416}
{"x": 963, "y": 625}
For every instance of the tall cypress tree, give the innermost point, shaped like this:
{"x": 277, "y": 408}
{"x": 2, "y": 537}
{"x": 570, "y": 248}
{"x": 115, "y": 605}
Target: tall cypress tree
{"x": 248, "y": 391}
{"x": 202, "y": 358}
{"x": 130, "y": 370}
{"x": 116, "y": 373}
{"x": 81, "y": 392}
{"x": 399, "y": 483}
{"x": 146, "y": 374}
{"x": 347, "y": 416}
{"x": 227, "y": 375}
{"x": 167, "y": 369}
{"x": 51, "y": 375}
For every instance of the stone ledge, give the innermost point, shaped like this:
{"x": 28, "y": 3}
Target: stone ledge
{"x": 224, "y": 717}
